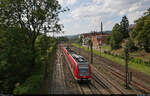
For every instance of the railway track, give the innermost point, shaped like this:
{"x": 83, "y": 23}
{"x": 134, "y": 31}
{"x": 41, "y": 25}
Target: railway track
{"x": 94, "y": 89}
{"x": 85, "y": 89}
{"x": 57, "y": 84}
{"x": 117, "y": 73}
{"x": 121, "y": 75}
{"x": 71, "y": 84}
{"x": 82, "y": 88}
{"x": 111, "y": 83}
{"x": 96, "y": 86}
{"x": 133, "y": 83}
{"x": 114, "y": 88}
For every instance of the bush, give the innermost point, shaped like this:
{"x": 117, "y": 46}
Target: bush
{"x": 131, "y": 46}
{"x": 30, "y": 86}
{"x": 108, "y": 40}
{"x": 33, "y": 82}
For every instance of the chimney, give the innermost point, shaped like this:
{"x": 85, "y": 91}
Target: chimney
{"x": 101, "y": 28}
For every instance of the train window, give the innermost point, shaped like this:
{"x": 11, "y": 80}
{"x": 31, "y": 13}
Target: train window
{"x": 83, "y": 71}
{"x": 77, "y": 57}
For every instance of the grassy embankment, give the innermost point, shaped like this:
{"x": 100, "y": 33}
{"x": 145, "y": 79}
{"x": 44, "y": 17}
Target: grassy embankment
{"x": 133, "y": 65}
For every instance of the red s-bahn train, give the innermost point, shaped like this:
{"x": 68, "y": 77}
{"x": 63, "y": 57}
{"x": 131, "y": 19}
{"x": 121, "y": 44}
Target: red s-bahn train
{"x": 79, "y": 67}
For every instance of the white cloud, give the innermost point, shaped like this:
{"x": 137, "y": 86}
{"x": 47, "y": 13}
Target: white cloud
{"x": 86, "y": 11}
{"x": 108, "y": 9}
{"x": 98, "y": 1}
{"x": 66, "y": 20}
{"x": 88, "y": 15}
{"x": 71, "y": 2}
{"x": 134, "y": 16}
{"x": 67, "y": 2}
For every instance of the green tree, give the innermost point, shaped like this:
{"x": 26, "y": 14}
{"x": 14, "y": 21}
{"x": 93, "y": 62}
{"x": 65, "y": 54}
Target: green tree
{"x": 138, "y": 27}
{"x": 144, "y": 37}
{"x": 80, "y": 40}
{"x": 147, "y": 12}
{"x": 15, "y": 58}
{"x": 131, "y": 45}
{"x": 116, "y": 37}
{"x": 62, "y": 39}
{"x": 108, "y": 40}
{"x": 124, "y": 25}
{"x": 141, "y": 31}
{"x": 36, "y": 16}
{"x": 21, "y": 23}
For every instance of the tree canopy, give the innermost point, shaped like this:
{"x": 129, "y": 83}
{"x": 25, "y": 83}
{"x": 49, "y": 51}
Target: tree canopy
{"x": 124, "y": 25}
{"x": 24, "y": 43}
{"x": 116, "y": 37}
{"x": 141, "y": 32}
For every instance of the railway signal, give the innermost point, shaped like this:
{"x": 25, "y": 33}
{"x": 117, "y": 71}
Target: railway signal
{"x": 129, "y": 77}
{"x": 128, "y": 74}
{"x": 126, "y": 66}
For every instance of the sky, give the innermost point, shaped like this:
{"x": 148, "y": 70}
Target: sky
{"x": 86, "y": 15}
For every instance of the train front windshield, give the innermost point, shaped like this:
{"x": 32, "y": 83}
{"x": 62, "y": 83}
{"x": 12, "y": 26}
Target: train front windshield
{"x": 83, "y": 71}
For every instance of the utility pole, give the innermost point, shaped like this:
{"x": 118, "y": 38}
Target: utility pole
{"x": 100, "y": 42}
{"x": 126, "y": 65}
{"x": 100, "y": 47}
{"x": 80, "y": 43}
{"x": 91, "y": 45}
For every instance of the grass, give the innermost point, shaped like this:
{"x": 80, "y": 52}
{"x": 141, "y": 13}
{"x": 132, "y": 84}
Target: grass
{"x": 107, "y": 47}
{"x": 141, "y": 55}
{"x": 138, "y": 67}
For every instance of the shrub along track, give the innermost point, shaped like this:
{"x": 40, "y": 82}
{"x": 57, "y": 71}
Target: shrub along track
{"x": 116, "y": 71}
{"x": 99, "y": 84}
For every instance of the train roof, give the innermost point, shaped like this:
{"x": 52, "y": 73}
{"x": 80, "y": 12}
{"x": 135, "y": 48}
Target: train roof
{"x": 77, "y": 57}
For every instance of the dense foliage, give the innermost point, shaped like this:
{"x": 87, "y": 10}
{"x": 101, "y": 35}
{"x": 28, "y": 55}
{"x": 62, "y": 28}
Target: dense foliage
{"x": 108, "y": 40}
{"x": 24, "y": 44}
{"x": 62, "y": 39}
{"x": 116, "y": 37}
{"x": 33, "y": 82}
{"x": 142, "y": 31}
{"x": 138, "y": 38}
{"x": 80, "y": 40}
{"x": 119, "y": 32}
{"x": 131, "y": 45}
{"x": 16, "y": 59}
{"x": 124, "y": 25}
